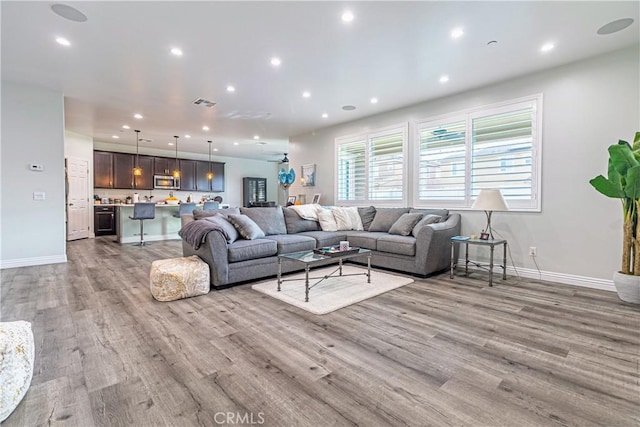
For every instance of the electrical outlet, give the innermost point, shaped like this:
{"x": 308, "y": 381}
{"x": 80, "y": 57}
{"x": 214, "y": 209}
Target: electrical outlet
{"x": 533, "y": 251}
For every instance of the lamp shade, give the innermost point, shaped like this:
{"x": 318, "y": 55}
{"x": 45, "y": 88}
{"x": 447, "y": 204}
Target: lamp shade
{"x": 490, "y": 200}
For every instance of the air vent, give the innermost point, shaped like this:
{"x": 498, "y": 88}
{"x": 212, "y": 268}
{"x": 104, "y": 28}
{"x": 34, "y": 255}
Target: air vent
{"x": 205, "y": 102}
{"x": 145, "y": 140}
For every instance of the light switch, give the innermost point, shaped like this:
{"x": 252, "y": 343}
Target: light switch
{"x": 38, "y": 195}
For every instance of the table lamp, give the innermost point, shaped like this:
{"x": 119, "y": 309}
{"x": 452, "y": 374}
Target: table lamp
{"x": 489, "y": 201}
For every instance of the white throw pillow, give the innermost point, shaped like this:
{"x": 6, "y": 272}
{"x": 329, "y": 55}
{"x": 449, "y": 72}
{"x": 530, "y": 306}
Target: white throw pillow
{"x": 348, "y": 218}
{"x": 327, "y": 221}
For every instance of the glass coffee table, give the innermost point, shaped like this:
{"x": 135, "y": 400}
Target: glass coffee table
{"x": 311, "y": 258}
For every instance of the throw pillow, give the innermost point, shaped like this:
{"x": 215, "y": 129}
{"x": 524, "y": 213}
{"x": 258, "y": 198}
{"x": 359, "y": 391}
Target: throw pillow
{"x": 327, "y": 221}
{"x": 427, "y": 219}
{"x": 296, "y": 224}
{"x": 270, "y": 220}
{"x": 404, "y": 225}
{"x": 347, "y": 218}
{"x": 385, "y": 217}
{"x": 246, "y": 227}
{"x": 200, "y": 214}
{"x": 366, "y": 216}
{"x": 229, "y": 231}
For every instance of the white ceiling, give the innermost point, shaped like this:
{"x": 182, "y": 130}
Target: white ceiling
{"x": 119, "y": 61}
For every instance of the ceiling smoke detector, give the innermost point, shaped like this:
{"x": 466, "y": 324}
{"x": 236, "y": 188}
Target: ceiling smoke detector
{"x": 205, "y": 102}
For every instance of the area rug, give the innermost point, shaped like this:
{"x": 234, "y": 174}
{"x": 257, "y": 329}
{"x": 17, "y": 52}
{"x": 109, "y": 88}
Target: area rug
{"x": 333, "y": 293}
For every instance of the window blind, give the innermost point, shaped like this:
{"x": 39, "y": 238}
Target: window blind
{"x": 352, "y": 170}
{"x": 386, "y": 166}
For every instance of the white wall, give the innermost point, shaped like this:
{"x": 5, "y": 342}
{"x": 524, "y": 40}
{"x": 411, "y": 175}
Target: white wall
{"x": 32, "y": 232}
{"x": 78, "y": 146}
{"x": 234, "y": 170}
{"x": 588, "y": 105}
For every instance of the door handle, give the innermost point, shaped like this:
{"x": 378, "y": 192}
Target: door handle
{"x": 70, "y": 204}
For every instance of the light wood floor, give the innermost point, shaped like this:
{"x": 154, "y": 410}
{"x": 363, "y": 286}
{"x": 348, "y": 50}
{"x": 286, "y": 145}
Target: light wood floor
{"x": 436, "y": 352}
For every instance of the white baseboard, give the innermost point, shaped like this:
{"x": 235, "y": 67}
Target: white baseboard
{"x": 550, "y": 276}
{"x": 151, "y": 238}
{"x": 27, "y": 262}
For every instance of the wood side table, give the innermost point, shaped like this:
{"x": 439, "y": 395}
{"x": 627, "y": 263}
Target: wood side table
{"x": 491, "y": 243}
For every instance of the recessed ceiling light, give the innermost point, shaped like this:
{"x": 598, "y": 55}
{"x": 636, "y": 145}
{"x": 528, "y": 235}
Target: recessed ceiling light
{"x": 547, "y": 47}
{"x": 205, "y": 128}
{"x": 187, "y": 136}
{"x": 137, "y": 116}
{"x": 63, "y": 41}
{"x": 68, "y": 12}
{"x": 615, "y": 26}
{"x": 171, "y": 143}
{"x": 456, "y": 33}
{"x": 347, "y": 16}
{"x": 349, "y": 107}
{"x": 325, "y": 115}
{"x": 176, "y": 51}
{"x": 275, "y": 61}
{"x": 215, "y": 149}
{"x": 306, "y": 94}
{"x": 256, "y": 136}
{"x": 125, "y": 127}
{"x": 444, "y": 79}
{"x": 374, "y": 100}
{"x": 115, "y": 137}
{"x": 231, "y": 89}
{"x": 236, "y": 143}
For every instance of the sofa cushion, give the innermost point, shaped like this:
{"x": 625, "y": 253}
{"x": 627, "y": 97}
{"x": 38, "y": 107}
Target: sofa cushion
{"x": 326, "y": 238}
{"x": 426, "y": 220}
{"x": 242, "y": 250}
{"x": 364, "y": 239}
{"x": 366, "y": 216}
{"x": 270, "y": 220}
{"x": 247, "y": 228}
{"x": 347, "y": 218}
{"x": 296, "y": 224}
{"x": 404, "y": 225}
{"x": 444, "y": 213}
{"x": 288, "y": 243}
{"x": 229, "y": 231}
{"x": 401, "y": 245}
{"x": 327, "y": 220}
{"x": 199, "y": 213}
{"x": 385, "y": 217}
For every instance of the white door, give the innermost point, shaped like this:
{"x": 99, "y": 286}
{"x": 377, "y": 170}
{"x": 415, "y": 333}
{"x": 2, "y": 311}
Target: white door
{"x": 77, "y": 199}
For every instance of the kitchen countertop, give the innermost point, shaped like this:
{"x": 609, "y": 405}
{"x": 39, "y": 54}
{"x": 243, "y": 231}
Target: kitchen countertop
{"x": 159, "y": 205}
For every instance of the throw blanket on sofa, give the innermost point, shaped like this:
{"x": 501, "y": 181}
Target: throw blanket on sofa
{"x": 195, "y": 232}
{"x": 307, "y": 211}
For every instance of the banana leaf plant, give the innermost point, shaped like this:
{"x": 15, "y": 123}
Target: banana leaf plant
{"x": 623, "y": 182}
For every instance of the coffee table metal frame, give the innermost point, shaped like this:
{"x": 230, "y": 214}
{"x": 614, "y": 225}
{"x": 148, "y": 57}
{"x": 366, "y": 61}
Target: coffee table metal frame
{"x": 310, "y": 258}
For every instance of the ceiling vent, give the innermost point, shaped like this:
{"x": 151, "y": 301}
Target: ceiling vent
{"x": 248, "y": 115}
{"x": 205, "y": 102}
{"x": 145, "y": 140}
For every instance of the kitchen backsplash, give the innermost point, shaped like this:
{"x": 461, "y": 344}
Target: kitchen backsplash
{"x": 158, "y": 195}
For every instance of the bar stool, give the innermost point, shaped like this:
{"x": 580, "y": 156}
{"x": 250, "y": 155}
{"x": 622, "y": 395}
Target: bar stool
{"x": 142, "y": 211}
{"x": 210, "y": 206}
{"x": 185, "y": 209}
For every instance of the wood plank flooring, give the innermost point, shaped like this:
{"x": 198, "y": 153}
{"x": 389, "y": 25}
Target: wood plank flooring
{"x": 438, "y": 352}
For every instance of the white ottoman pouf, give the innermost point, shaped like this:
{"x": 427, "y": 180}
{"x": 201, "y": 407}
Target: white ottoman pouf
{"x": 177, "y": 278}
{"x": 16, "y": 364}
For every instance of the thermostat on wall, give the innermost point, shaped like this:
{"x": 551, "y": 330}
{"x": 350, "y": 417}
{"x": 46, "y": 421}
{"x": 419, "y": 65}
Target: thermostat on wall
{"x": 36, "y": 167}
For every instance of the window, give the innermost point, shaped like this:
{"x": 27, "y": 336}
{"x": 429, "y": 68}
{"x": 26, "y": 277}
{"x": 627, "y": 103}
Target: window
{"x": 497, "y": 148}
{"x": 371, "y": 167}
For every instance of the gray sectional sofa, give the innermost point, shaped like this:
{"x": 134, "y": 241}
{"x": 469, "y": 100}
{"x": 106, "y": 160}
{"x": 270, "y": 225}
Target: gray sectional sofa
{"x": 424, "y": 251}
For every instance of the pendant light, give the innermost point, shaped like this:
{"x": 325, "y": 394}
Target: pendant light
{"x": 210, "y": 174}
{"x": 176, "y": 172}
{"x": 137, "y": 170}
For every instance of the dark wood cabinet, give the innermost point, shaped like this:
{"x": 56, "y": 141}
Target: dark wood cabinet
{"x": 104, "y": 220}
{"x": 217, "y": 185}
{"x": 102, "y": 169}
{"x": 164, "y": 165}
{"x": 144, "y": 181}
{"x": 202, "y": 181}
{"x": 123, "y": 170}
{"x": 253, "y": 190}
{"x": 188, "y": 175}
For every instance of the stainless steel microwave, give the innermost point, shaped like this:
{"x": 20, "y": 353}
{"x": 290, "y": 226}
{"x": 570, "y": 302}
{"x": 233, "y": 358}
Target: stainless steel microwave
{"x": 166, "y": 182}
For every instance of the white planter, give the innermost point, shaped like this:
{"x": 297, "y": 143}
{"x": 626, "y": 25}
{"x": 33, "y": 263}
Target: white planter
{"x": 628, "y": 287}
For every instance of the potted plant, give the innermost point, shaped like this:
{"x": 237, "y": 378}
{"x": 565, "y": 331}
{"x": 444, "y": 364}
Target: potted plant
{"x": 623, "y": 182}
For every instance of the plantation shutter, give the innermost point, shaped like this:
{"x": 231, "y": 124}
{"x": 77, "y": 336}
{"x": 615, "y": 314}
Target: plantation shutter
{"x": 441, "y": 168}
{"x": 502, "y": 153}
{"x": 386, "y": 166}
{"x": 352, "y": 170}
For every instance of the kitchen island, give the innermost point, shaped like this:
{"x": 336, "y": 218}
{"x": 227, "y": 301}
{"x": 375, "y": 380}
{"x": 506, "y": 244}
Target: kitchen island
{"x": 163, "y": 227}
